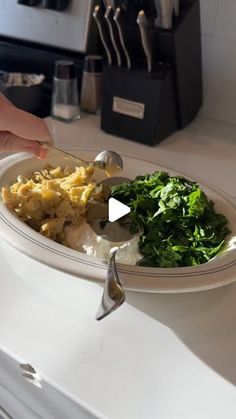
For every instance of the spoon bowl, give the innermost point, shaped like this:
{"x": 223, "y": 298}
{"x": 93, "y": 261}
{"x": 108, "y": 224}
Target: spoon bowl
{"x": 109, "y": 161}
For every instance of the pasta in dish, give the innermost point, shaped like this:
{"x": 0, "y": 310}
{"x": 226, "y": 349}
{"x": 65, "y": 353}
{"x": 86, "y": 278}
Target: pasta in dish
{"x": 53, "y": 198}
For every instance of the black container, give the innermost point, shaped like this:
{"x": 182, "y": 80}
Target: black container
{"x": 173, "y": 97}
{"x": 138, "y": 105}
{"x": 27, "y": 98}
{"x": 181, "y": 48}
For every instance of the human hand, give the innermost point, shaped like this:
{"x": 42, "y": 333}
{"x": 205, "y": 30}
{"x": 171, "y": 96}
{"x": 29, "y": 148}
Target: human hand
{"x": 21, "y": 131}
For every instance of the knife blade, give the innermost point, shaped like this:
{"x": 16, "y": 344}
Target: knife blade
{"x": 146, "y": 43}
{"x": 98, "y": 16}
{"x": 109, "y": 16}
{"x": 132, "y": 7}
{"x": 120, "y": 26}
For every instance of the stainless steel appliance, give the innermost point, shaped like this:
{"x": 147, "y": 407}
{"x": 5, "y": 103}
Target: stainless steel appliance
{"x": 36, "y": 33}
{"x": 43, "y": 23}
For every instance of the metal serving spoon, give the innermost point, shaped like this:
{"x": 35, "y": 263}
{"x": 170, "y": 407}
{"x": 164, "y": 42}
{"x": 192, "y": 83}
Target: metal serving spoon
{"x": 113, "y": 293}
{"x": 109, "y": 161}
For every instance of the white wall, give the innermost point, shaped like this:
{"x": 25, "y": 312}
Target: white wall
{"x": 218, "y": 20}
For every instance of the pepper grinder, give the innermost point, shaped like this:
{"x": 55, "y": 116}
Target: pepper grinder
{"x": 65, "y": 97}
{"x": 91, "y": 90}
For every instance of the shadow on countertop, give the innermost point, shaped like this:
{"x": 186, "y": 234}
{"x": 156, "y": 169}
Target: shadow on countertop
{"x": 204, "y": 321}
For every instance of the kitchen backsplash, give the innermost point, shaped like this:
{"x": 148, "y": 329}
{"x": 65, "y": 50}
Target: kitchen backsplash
{"x": 218, "y": 19}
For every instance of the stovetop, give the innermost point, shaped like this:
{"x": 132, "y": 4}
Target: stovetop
{"x": 26, "y": 57}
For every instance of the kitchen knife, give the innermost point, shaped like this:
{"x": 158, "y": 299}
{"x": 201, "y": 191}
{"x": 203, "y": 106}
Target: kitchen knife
{"x": 109, "y": 16}
{"x": 102, "y": 29}
{"x": 113, "y": 4}
{"x": 176, "y": 7}
{"x": 120, "y": 26}
{"x": 132, "y": 7}
{"x": 146, "y": 43}
{"x": 165, "y": 10}
{"x": 108, "y": 3}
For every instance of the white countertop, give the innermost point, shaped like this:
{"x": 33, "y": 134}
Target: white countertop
{"x": 158, "y": 356}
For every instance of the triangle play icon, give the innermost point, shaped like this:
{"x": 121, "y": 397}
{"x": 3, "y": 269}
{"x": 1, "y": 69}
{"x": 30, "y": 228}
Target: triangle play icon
{"x": 116, "y": 210}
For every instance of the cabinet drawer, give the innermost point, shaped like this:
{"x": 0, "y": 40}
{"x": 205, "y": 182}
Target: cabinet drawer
{"x": 24, "y": 394}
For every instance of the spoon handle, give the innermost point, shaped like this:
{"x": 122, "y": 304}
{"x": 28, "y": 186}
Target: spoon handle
{"x": 113, "y": 293}
{"x": 71, "y": 156}
{"x": 115, "y": 289}
{"x": 64, "y": 154}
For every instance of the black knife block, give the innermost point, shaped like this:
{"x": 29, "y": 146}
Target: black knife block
{"x": 137, "y": 105}
{"x": 171, "y": 95}
{"x": 181, "y": 48}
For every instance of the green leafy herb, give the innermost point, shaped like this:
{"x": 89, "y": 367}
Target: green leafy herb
{"x": 179, "y": 224}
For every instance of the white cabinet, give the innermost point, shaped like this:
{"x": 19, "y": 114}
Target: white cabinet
{"x": 34, "y": 398}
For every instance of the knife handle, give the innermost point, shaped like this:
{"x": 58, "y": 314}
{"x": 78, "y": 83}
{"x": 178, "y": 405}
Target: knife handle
{"x": 176, "y": 7}
{"x": 98, "y": 16}
{"x": 113, "y": 4}
{"x": 120, "y": 26}
{"x": 109, "y": 15}
{"x": 108, "y": 3}
{"x": 142, "y": 23}
{"x": 165, "y": 9}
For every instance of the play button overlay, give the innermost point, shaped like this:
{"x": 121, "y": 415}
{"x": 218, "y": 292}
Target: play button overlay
{"x": 116, "y": 210}
{"x": 110, "y": 220}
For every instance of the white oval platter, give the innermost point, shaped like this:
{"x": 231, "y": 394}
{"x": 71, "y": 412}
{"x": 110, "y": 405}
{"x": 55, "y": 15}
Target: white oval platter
{"x": 218, "y": 272}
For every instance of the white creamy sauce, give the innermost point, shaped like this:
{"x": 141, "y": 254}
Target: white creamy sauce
{"x": 84, "y": 239}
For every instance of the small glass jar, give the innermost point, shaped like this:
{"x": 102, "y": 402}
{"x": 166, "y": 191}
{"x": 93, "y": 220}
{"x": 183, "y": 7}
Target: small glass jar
{"x": 91, "y": 90}
{"x": 65, "y": 97}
